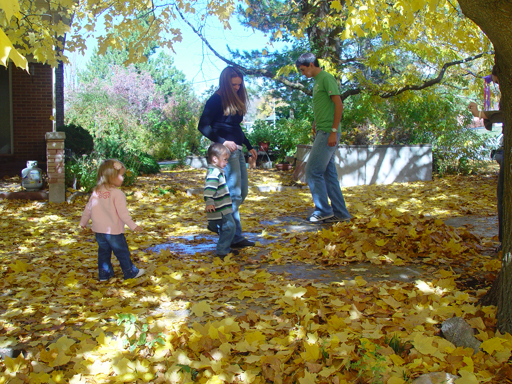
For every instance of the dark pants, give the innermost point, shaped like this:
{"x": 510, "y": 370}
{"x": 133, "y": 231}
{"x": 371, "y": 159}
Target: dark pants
{"x": 117, "y": 244}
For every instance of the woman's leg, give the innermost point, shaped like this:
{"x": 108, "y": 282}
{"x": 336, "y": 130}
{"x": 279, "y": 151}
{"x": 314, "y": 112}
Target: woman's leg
{"x": 238, "y": 187}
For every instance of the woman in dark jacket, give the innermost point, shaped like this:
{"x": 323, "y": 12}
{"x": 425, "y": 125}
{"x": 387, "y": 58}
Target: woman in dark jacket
{"x": 220, "y": 122}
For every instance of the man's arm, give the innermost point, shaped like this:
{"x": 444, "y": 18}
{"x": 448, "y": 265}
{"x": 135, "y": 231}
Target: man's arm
{"x": 338, "y": 111}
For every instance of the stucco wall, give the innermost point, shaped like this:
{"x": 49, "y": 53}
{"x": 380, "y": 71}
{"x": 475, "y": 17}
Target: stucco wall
{"x": 374, "y": 164}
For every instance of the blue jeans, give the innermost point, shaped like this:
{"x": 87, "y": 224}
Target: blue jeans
{"x": 238, "y": 184}
{"x": 225, "y": 227}
{"x": 322, "y": 178}
{"x": 117, "y": 244}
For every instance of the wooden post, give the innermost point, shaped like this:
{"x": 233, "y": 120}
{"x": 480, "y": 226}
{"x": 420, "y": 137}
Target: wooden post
{"x": 55, "y": 166}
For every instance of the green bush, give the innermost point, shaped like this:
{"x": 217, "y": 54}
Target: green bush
{"x": 78, "y": 140}
{"x": 284, "y": 138}
{"x": 138, "y": 161}
{"x": 261, "y": 132}
{"x": 290, "y": 133}
{"x": 459, "y": 152}
{"x": 81, "y": 171}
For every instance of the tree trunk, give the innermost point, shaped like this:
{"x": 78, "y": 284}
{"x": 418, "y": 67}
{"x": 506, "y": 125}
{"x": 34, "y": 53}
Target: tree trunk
{"x": 494, "y": 18}
{"x": 59, "y": 94}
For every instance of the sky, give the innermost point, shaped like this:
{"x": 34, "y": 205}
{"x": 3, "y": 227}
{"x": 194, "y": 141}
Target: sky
{"x": 196, "y": 60}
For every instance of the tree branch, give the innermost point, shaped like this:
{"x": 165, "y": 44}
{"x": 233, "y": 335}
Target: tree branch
{"x": 351, "y": 92}
{"x": 431, "y": 82}
{"x": 248, "y": 71}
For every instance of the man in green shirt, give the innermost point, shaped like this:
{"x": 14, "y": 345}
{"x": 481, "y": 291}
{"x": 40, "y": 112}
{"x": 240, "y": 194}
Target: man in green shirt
{"x": 321, "y": 174}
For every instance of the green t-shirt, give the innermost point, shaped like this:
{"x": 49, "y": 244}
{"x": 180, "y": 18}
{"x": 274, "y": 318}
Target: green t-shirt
{"x": 323, "y": 108}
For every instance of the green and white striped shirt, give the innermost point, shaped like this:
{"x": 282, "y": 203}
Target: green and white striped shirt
{"x": 216, "y": 193}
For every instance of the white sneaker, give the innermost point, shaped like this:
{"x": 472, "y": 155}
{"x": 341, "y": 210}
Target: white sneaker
{"x": 140, "y": 273}
{"x": 314, "y": 218}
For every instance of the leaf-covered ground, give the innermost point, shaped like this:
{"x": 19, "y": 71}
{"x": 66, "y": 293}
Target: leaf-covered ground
{"x": 199, "y": 319}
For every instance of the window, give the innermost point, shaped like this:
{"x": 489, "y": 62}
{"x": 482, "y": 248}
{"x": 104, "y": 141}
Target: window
{"x": 5, "y": 112}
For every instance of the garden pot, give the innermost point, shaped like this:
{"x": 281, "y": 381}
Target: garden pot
{"x": 264, "y": 147}
{"x": 283, "y": 167}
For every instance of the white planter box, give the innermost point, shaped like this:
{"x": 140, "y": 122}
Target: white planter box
{"x": 374, "y": 164}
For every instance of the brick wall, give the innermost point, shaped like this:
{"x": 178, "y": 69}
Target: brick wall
{"x": 32, "y": 109}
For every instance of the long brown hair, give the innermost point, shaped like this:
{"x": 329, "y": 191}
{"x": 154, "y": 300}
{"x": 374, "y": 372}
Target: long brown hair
{"x": 232, "y": 102}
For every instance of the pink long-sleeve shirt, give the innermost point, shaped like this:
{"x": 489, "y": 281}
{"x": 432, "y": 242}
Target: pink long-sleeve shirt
{"x": 107, "y": 209}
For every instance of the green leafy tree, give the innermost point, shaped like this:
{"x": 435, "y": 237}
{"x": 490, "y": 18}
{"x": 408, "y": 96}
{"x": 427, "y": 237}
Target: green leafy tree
{"x": 148, "y": 106}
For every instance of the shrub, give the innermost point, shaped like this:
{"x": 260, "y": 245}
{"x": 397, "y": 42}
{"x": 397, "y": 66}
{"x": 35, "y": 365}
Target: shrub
{"x": 78, "y": 140}
{"x": 459, "y": 151}
{"x": 137, "y": 161}
{"x": 81, "y": 171}
{"x": 261, "y": 132}
{"x": 290, "y": 133}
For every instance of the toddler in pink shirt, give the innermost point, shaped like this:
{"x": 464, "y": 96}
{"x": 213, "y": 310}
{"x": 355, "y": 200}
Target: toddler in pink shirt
{"x": 107, "y": 209}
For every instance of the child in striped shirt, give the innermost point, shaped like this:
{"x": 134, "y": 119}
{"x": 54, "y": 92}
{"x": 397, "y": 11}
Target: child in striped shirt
{"x": 219, "y": 207}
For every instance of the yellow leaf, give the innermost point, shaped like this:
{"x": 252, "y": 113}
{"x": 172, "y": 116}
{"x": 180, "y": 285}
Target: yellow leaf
{"x": 251, "y": 359}
{"x": 381, "y": 242}
{"x": 39, "y": 378}
{"x": 309, "y": 378}
{"x": 14, "y": 365}
{"x": 397, "y": 360}
{"x": 395, "y": 380}
{"x": 19, "y": 266}
{"x": 251, "y": 337}
{"x": 491, "y": 345}
{"x": 337, "y": 5}
{"x": 311, "y": 352}
{"x": 215, "y": 380}
{"x": 466, "y": 378}
{"x": 424, "y": 344}
{"x": 10, "y": 8}
{"x": 294, "y": 292}
{"x": 125, "y": 371}
{"x": 200, "y": 308}
{"x": 470, "y": 366}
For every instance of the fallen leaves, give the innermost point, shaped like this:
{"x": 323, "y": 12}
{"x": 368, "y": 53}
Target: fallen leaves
{"x": 236, "y": 320}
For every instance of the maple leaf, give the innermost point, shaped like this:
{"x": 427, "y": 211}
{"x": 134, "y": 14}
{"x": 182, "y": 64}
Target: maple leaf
{"x": 309, "y": 378}
{"x": 19, "y": 266}
{"x": 201, "y": 308}
{"x": 492, "y": 345}
{"x": 466, "y": 378}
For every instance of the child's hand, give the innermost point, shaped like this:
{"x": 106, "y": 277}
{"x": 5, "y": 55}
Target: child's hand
{"x": 84, "y": 227}
{"x": 210, "y": 208}
{"x": 138, "y": 228}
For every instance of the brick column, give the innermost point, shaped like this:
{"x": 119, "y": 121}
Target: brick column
{"x": 55, "y": 166}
